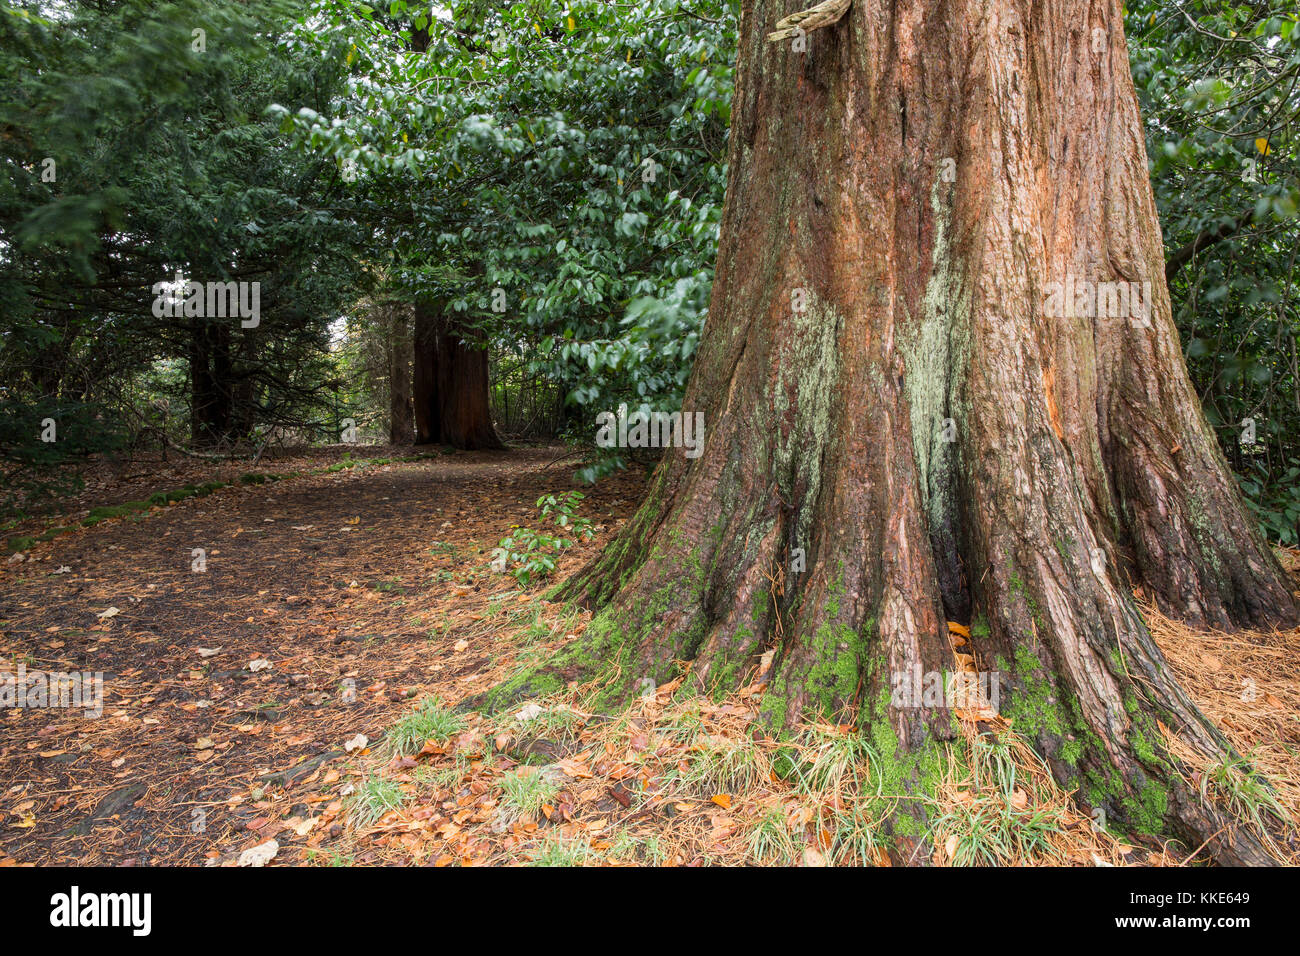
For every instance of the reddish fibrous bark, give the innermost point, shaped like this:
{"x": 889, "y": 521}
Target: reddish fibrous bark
{"x": 450, "y": 385}
{"x": 887, "y": 396}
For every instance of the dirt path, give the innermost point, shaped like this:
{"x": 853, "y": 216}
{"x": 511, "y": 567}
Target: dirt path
{"x": 359, "y": 590}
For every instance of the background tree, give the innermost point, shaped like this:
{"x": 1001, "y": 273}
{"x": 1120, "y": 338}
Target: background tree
{"x": 138, "y": 147}
{"x": 552, "y": 181}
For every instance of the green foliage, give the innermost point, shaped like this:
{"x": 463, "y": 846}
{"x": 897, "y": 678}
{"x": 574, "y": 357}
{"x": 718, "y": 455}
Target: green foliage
{"x": 562, "y": 509}
{"x": 133, "y": 155}
{"x": 770, "y": 840}
{"x": 561, "y": 852}
{"x": 529, "y": 554}
{"x": 564, "y": 165}
{"x": 1217, "y": 84}
{"x": 1273, "y": 499}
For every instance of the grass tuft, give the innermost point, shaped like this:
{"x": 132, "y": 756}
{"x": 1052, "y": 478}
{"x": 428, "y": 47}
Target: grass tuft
{"x": 428, "y": 721}
{"x": 375, "y": 796}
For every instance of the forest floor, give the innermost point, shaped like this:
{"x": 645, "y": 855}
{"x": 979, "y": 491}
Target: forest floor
{"x": 296, "y": 701}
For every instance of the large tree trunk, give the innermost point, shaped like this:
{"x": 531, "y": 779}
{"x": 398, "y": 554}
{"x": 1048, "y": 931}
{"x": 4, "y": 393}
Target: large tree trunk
{"x": 936, "y": 444}
{"x": 450, "y": 385}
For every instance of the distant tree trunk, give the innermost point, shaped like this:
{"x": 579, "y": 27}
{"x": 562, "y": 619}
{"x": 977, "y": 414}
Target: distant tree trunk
{"x": 401, "y": 429}
{"x": 244, "y": 410}
{"x": 894, "y": 404}
{"x": 424, "y": 377}
{"x": 211, "y": 397}
{"x": 466, "y": 407}
{"x": 452, "y": 404}
{"x": 50, "y": 360}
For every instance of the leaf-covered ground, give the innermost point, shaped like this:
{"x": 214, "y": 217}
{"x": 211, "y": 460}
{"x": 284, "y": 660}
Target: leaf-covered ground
{"x": 362, "y": 589}
{"x": 297, "y": 701}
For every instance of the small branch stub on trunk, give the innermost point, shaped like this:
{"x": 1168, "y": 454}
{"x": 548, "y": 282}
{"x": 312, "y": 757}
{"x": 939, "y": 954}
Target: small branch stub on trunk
{"x": 822, "y": 15}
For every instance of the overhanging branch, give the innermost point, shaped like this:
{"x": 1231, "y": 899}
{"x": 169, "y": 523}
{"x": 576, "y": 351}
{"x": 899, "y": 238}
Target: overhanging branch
{"x": 1204, "y": 239}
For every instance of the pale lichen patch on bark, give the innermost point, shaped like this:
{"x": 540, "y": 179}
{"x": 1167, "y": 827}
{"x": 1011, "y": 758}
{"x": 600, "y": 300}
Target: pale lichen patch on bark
{"x": 935, "y": 346}
{"x": 805, "y": 401}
